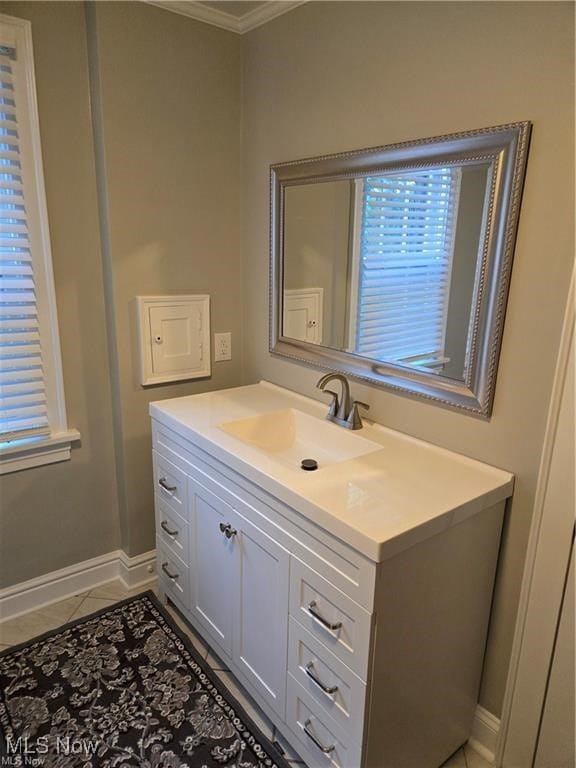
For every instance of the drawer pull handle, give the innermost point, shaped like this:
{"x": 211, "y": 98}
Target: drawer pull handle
{"x": 316, "y": 741}
{"x": 172, "y": 576}
{"x": 170, "y": 488}
{"x": 329, "y": 689}
{"x": 164, "y": 526}
{"x": 227, "y": 530}
{"x": 331, "y": 625}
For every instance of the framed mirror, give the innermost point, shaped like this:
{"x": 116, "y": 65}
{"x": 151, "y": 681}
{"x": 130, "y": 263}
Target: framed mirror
{"x": 392, "y": 264}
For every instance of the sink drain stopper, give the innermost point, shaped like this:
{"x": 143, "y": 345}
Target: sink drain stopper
{"x": 309, "y": 465}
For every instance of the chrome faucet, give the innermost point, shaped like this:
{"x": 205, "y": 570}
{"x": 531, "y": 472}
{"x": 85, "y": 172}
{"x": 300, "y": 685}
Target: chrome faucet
{"x": 344, "y": 411}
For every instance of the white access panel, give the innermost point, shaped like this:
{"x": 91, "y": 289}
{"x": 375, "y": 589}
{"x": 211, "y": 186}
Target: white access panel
{"x": 303, "y": 314}
{"x": 174, "y": 337}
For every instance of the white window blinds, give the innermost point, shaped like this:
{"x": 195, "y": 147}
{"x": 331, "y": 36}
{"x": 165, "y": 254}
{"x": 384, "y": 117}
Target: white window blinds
{"x": 406, "y": 251}
{"x": 23, "y": 406}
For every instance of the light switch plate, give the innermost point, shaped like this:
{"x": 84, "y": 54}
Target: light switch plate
{"x": 222, "y": 347}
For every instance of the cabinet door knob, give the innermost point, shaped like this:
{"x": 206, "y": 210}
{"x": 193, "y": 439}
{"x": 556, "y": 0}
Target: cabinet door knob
{"x": 316, "y": 740}
{"x": 227, "y": 530}
{"x": 172, "y": 576}
{"x": 332, "y": 626}
{"x": 329, "y": 689}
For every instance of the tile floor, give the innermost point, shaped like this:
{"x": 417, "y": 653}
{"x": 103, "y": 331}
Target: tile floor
{"x": 23, "y": 628}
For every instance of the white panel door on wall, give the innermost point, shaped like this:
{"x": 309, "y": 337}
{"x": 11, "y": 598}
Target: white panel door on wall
{"x": 213, "y": 563}
{"x": 173, "y": 335}
{"x": 302, "y": 318}
{"x": 176, "y": 345}
{"x": 261, "y": 620}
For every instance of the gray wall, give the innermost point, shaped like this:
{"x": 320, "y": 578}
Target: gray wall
{"x": 329, "y": 77}
{"x": 60, "y": 514}
{"x": 168, "y": 136}
{"x": 170, "y": 117}
{"x": 316, "y": 246}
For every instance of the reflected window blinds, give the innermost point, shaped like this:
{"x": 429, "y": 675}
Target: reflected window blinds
{"x": 406, "y": 252}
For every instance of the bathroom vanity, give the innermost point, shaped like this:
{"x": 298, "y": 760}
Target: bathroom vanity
{"x": 351, "y": 602}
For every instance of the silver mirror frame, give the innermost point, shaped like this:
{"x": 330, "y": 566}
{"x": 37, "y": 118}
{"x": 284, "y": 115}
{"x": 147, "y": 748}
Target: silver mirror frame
{"x": 506, "y": 148}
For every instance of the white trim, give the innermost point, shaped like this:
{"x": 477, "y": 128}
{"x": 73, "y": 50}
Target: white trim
{"x": 484, "y": 736}
{"x": 44, "y": 277}
{"x": 37, "y": 215}
{"x": 457, "y": 178}
{"x": 37, "y": 451}
{"x": 19, "y": 33}
{"x": 138, "y": 570}
{"x": 358, "y": 205}
{"x": 265, "y": 13}
{"x": 66, "y": 582}
{"x": 199, "y": 12}
{"x": 547, "y": 561}
{"x": 251, "y": 20}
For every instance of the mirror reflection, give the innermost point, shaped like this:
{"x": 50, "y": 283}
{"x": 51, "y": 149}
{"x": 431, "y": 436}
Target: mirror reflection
{"x": 392, "y": 264}
{"x": 386, "y": 266}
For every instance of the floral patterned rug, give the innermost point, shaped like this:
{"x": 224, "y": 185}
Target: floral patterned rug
{"x": 122, "y": 687}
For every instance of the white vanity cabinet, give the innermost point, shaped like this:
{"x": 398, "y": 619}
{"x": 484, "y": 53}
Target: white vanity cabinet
{"x": 363, "y": 656}
{"x": 233, "y": 583}
{"x": 215, "y": 565}
{"x": 239, "y": 587}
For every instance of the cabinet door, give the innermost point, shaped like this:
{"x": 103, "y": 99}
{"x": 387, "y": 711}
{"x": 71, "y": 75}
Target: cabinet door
{"x": 261, "y": 614}
{"x": 176, "y": 338}
{"x": 214, "y": 563}
{"x": 303, "y": 314}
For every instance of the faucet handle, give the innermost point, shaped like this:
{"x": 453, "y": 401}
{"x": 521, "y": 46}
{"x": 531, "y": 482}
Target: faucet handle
{"x": 354, "y": 421}
{"x": 333, "y": 409}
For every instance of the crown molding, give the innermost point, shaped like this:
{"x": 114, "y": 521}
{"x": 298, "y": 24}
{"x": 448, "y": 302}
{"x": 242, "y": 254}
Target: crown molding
{"x": 240, "y": 25}
{"x": 265, "y": 13}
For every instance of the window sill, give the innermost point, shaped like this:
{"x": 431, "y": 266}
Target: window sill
{"x": 36, "y": 452}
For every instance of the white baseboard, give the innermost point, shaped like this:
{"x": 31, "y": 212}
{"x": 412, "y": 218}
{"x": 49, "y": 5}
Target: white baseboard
{"x": 58, "y": 585}
{"x": 484, "y": 736}
{"x": 138, "y": 570}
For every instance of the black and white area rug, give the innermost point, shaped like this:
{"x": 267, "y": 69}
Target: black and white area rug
{"x": 122, "y": 687}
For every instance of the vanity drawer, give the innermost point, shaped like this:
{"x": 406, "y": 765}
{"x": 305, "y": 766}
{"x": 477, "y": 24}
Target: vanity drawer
{"x": 173, "y": 574}
{"x": 331, "y": 616}
{"x": 335, "y": 688}
{"x": 171, "y": 484}
{"x": 172, "y": 529}
{"x": 316, "y": 732}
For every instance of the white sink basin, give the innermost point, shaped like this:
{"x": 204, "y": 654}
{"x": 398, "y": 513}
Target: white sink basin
{"x": 289, "y": 436}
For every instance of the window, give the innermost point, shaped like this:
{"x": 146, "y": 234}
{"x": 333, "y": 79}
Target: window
{"x": 405, "y": 248}
{"x": 33, "y": 427}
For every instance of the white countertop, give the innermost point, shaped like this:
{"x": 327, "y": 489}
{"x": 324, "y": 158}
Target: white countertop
{"x": 379, "y": 504}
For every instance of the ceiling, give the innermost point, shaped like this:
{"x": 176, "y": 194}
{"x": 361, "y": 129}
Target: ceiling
{"x": 235, "y": 15}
